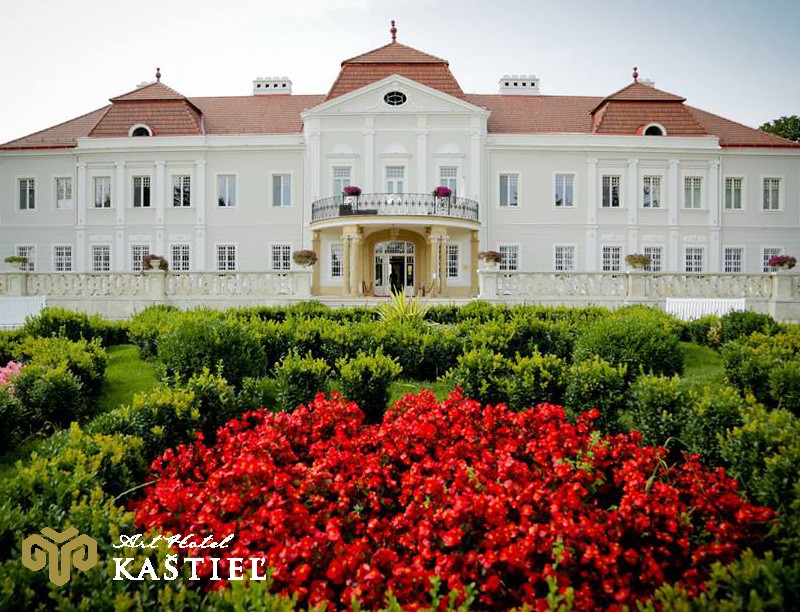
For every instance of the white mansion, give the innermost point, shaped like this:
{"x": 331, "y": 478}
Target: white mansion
{"x": 553, "y": 183}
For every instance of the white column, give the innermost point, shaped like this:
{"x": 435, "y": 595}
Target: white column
{"x": 369, "y": 155}
{"x": 315, "y": 163}
{"x": 81, "y": 194}
{"x": 476, "y": 160}
{"x": 632, "y": 195}
{"x": 200, "y": 190}
{"x": 714, "y": 215}
{"x": 118, "y": 257}
{"x": 201, "y": 256}
{"x": 423, "y": 186}
{"x": 591, "y": 214}
{"x": 674, "y": 253}
{"x": 160, "y": 191}
{"x": 673, "y": 192}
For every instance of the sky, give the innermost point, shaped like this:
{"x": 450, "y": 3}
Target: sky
{"x": 63, "y": 58}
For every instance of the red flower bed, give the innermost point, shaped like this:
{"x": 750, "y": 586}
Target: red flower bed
{"x": 470, "y": 494}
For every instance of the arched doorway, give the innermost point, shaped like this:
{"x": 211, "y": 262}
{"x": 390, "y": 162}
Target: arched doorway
{"x": 395, "y": 267}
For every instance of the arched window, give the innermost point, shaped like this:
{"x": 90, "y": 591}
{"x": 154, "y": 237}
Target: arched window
{"x": 654, "y": 129}
{"x": 140, "y": 130}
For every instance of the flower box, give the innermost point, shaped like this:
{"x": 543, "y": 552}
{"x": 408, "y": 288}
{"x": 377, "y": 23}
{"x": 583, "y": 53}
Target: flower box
{"x": 351, "y": 190}
{"x": 782, "y": 262}
{"x": 442, "y": 192}
{"x": 637, "y": 261}
{"x": 304, "y": 258}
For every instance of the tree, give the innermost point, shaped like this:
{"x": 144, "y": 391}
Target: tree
{"x": 788, "y": 127}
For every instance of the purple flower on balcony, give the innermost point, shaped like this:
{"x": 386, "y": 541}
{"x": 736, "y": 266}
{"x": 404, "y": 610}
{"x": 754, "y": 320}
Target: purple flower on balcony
{"x": 351, "y": 190}
{"x": 786, "y": 262}
{"x": 442, "y": 192}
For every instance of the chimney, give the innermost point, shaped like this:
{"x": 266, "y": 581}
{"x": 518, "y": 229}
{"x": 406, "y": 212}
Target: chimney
{"x": 263, "y": 86}
{"x": 519, "y": 85}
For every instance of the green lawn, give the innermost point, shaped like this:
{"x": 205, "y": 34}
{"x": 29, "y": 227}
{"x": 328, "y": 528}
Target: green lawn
{"x": 126, "y": 375}
{"x": 702, "y": 365}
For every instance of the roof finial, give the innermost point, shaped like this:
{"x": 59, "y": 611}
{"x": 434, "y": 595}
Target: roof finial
{"x": 635, "y": 74}
{"x": 393, "y": 32}
{"x": 158, "y": 75}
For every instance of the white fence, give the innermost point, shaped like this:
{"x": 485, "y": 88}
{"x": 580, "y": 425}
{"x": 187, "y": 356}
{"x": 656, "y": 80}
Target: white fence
{"x": 14, "y": 310}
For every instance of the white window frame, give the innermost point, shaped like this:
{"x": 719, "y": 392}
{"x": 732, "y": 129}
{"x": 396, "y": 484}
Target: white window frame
{"x": 564, "y": 257}
{"x": 102, "y": 199}
{"x": 453, "y": 260}
{"x": 569, "y": 194}
{"x": 449, "y": 181}
{"x": 511, "y": 255}
{"x": 607, "y": 188}
{"x": 100, "y": 255}
{"x": 731, "y": 262}
{"x": 395, "y": 184}
{"x": 181, "y": 190}
{"x": 28, "y": 202}
{"x": 779, "y": 192}
{"x": 696, "y": 200}
{"x": 285, "y": 198}
{"x": 342, "y": 181}
{"x": 612, "y": 263}
{"x": 66, "y": 261}
{"x": 280, "y": 261}
{"x": 138, "y": 252}
{"x": 29, "y": 251}
{"x": 228, "y": 247}
{"x": 767, "y": 252}
{"x": 742, "y": 193}
{"x": 696, "y": 249}
{"x": 336, "y": 267}
{"x": 62, "y": 203}
{"x": 145, "y": 185}
{"x": 185, "y": 259}
{"x": 656, "y": 254}
{"x": 225, "y": 200}
{"x": 504, "y": 197}
{"x": 650, "y": 178}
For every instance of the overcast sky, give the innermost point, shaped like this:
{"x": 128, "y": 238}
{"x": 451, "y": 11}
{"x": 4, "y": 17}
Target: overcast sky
{"x": 62, "y": 58}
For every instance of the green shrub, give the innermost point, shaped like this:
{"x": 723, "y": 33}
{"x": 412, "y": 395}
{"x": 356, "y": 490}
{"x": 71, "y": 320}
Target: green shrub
{"x": 11, "y": 419}
{"x": 299, "y": 379}
{"x": 784, "y": 386}
{"x": 54, "y": 321}
{"x": 9, "y": 345}
{"x": 162, "y": 418}
{"x": 532, "y": 334}
{"x": 743, "y": 323}
{"x": 441, "y": 347}
{"x": 595, "y": 383}
{"x": 216, "y": 400}
{"x": 706, "y": 331}
{"x": 638, "y": 339}
{"x": 401, "y": 308}
{"x": 482, "y": 375}
{"x": 536, "y": 379}
{"x": 146, "y": 327}
{"x": 201, "y": 341}
{"x": 49, "y": 396}
{"x": 86, "y": 360}
{"x": 480, "y": 311}
{"x": 365, "y": 380}
{"x": 658, "y": 407}
{"x": 713, "y": 413}
{"x": 257, "y": 393}
{"x": 495, "y": 335}
{"x": 404, "y": 342}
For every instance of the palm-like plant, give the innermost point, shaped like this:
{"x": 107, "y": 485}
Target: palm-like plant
{"x": 401, "y": 308}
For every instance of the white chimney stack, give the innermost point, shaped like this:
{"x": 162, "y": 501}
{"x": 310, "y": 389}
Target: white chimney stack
{"x": 519, "y": 85}
{"x": 263, "y": 86}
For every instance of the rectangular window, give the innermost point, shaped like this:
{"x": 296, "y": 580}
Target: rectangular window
{"x": 181, "y": 190}
{"x": 341, "y": 179}
{"x": 509, "y": 184}
{"x": 564, "y": 190}
{"x": 651, "y": 192}
{"x": 733, "y": 258}
{"x": 337, "y": 255}
{"x": 62, "y": 258}
{"x": 564, "y": 258}
{"x": 656, "y": 254}
{"x": 64, "y": 192}
{"x": 281, "y": 189}
{"x": 510, "y": 257}
{"x": 694, "y": 259}
{"x": 767, "y": 254}
{"x": 281, "y": 257}
{"x": 453, "y": 261}
{"x": 226, "y": 257}
{"x": 141, "y": 191}
{"x": 448, "y": 177}
{"x": 610, "y": 184}
{"x": 733, "y": 193}
{"x": 772, "y": 194}
{"x": 395, "y": 179}
{"x": 27, "y": 194}
{"x": 692, "y": 192}
{"x": 138, "y": 253}
{"x": 180, "y": 257}
{"x": 29, "y": 251}
{"x": 102, "y": 192}
{"x": 612, "y": 257}
{"x": 101, "y": 258}
{"x": 226, "y": 190}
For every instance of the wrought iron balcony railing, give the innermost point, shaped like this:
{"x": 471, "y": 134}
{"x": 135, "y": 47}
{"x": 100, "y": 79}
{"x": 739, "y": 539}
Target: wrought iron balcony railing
{"x": 419, "y": 204}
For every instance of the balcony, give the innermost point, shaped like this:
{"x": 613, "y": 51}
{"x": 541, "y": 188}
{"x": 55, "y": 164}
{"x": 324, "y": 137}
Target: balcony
{"x": 385, "y": 204}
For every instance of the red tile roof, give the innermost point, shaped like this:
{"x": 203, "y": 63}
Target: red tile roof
{"x": 164, "y": 117}
{"x": 255, "y": 114}
{"x": 732, "y": 134}
{"x": 395, "y": 58}
{"x": 631, "y": 117}
{"x": 153, "y": 91}
{"x": 61, "y": 136}
{"x": 536, "y": 114}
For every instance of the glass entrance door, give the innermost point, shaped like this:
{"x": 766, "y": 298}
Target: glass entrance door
{"x": 395, "y": 268}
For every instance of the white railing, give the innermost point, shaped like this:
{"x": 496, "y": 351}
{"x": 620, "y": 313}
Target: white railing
{"x": 256, "y": 284}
